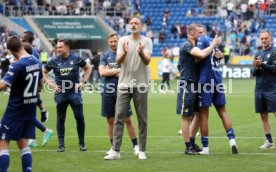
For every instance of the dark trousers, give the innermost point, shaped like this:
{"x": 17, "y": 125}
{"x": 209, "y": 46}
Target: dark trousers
{"x": 166, "y": 78}
{"x": 75, "y": 101}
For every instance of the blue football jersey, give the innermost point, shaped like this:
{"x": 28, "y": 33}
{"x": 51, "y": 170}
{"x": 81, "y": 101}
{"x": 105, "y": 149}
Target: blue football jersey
{"x": 209, "y": 67}
{"x": 109, "y": 83}
{"x": 35, "y": 53}
{"x": 23, "y": 78}
{"x": 66, "y": 71}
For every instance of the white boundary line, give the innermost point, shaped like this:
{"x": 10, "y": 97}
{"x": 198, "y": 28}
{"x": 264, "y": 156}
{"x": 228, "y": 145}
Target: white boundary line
{"x": 176, "y": 136}
{"x": 149, "y": 152}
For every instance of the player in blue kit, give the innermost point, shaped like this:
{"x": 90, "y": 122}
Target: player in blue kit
{"x": 188, "y": 83}
{"x": 265, "y": 89}
{"x": 67, "y": 87}
{"x": 25, "y": 80}
{"x": 109, "y": 70}
{"x": 28, "y": 37}
{"x": 211, "y": 91}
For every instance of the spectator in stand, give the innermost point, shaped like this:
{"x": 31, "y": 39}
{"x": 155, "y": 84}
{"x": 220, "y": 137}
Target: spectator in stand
{"x": 162, "y": 36}
{"x": 127, "y": 17}
{"x": 148, "y": 21}
{"x": 262, "y": 9}
{"x": 247, "y": 50}
{"x": 137, "y": 14}
{"x": 149, "y": 33}
{"x": 183, "y": 29}
{"x": 229, "y": 7}
{"x": 174, "y": 31}
{"x": 137, "y": 5}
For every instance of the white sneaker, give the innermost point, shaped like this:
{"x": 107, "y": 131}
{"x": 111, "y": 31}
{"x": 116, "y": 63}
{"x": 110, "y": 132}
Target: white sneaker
{"x": 112, "y": 155}
{"x": 233, "y": 146}
{"x": 162, "y": 91}
{"x": 179, "y": 132}
{"x": 267, "y": 145}
{"x": 142, "y": 155}
{"x": 205, "y": 151}
{"x": 136, "y": 150}
{"x": 108, "y": 151}
{"x": 32, "y": 143}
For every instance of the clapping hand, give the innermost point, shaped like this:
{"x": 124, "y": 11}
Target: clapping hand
{"x": 140, "y": 49}
{"x": 125, "y": 46}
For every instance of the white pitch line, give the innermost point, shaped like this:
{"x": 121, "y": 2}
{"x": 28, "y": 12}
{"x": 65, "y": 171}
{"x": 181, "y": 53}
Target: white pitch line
{"x": 177, "y": 136}
{"x": 151, "y": 152}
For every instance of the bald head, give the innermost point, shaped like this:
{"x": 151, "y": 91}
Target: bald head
{"x": 135, "y": 25}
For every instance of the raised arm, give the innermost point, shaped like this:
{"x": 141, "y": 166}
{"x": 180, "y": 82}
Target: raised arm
{"x": 201, "y": 54}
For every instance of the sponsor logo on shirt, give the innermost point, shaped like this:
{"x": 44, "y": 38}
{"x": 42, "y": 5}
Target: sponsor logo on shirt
{"x": 65, "y": 71}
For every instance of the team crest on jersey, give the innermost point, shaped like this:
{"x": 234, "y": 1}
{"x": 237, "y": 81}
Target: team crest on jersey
{"x": 65, "y": 71}
{"x": 113, "y": 65}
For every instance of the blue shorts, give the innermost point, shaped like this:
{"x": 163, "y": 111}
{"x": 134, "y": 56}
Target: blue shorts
{"x": 187, "y": 99}
{"x": 208, "y": 95}
{"x": 17, "y": 129}
{"x": 265, "y": 101}
{"x": 109, "y": 106}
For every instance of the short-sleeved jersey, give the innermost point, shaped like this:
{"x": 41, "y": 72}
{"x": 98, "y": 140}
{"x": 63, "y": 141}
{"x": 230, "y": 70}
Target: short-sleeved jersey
{"x": 35, "y": 53}
{"x": 209, "y": 68}
{"x": 189, "y": 70}
{"x": 66, "y": 71}
{"x": 266, "y": 76}
{"x": 134, "y": 72}
{"x": 23, "y": 78}
{"x": 109, "y": 83}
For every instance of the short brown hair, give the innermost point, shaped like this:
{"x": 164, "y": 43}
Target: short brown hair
{"x": 192, "y": 27}
{"x": 266, "y": 31}
{"x": 112, "y": 34}
{"x": 65, "y": 41}
{"x": 14, "y": 44}
{"x": 27, "y": 36}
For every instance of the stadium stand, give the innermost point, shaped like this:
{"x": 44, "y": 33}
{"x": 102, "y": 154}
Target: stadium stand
{"x": 166, "y": 20}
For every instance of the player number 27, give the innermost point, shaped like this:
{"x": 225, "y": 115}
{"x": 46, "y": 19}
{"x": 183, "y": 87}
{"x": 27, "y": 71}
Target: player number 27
{"x": 30, "y": 77}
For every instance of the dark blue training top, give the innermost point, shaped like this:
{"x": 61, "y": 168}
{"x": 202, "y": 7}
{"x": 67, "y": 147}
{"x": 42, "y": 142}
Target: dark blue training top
{"x": 266, "y": 76}
{"x": 209, "y": 68}
{"x": 66, "y": 71}
{"x": 35, "y": 53}
{"x": 189, "y": 70}
{"x": 23, "y": 77}
{"x": 109, "y": 83}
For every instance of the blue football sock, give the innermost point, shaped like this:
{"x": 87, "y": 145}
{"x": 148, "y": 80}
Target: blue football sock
{"x": 230, "y": 133}
{"x": 205, "y": 141}
{"x": 39, "y": 125}
{"x": 4, "y": 160}
{"x": 269, "y": 138}
{"x": 26, "y": 157}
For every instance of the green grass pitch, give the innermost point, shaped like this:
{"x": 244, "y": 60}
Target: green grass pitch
{"x": 165, "y": 149}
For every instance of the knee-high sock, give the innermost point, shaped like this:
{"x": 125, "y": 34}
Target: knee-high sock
{"x": 4, "y": 160}
{"x": 26, "y": 157}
